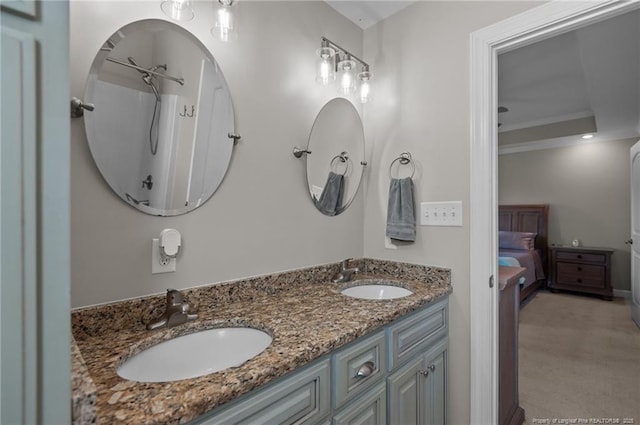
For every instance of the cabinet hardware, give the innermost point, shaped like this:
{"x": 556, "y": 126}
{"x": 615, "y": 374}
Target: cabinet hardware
{"x": 365, "y": 370}
{"x": 432, "y": 367}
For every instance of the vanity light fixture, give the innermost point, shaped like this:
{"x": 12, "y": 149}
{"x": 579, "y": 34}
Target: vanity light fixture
{"x": 326, "y": 64}
{"x": 178, "y": 10}
{"x": 346, "y": 76}
{"x": 225, "y": 27}
{"x": 364, "y": 91}
{"x": 336, "y": 63}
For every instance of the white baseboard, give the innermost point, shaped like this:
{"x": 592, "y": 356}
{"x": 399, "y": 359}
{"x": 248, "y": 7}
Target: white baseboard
{"x": 624, "y": 293}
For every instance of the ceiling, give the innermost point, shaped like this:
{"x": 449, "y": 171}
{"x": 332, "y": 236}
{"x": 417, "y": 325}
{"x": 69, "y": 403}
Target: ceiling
{"x": 367, "y": 13}
{"x": 585, "y": 81}
{"x": 556, "y": 90}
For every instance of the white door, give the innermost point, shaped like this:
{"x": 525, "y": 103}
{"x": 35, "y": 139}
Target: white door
{"x": 635, "y": 233}
{"x": 34, "y": 213}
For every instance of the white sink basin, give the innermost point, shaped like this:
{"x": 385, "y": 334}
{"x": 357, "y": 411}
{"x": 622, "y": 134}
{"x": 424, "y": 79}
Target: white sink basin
{"x": 194, "y": 355}
{"x": 377, "y": 290}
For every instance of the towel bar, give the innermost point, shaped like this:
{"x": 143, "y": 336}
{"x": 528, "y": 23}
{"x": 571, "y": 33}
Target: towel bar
{"x": 404, "y": 159}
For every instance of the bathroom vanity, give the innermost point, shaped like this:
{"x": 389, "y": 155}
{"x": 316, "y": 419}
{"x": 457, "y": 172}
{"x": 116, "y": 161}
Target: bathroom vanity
{"x": 404, "y": 363}
{"x": 333, "y": 358}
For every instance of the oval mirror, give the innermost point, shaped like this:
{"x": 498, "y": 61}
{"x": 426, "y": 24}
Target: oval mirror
{"x": 336, "y": 161}
{"x": 160, "y": 130}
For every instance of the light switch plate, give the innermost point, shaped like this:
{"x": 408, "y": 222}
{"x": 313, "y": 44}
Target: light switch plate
{"x": 441, "y": 213}
{"x": 156, "y": 265}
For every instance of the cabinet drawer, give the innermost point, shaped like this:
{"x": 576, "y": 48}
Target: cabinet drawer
{"x": 367, "y": 357}
{"x": 580, "y": 275}
{"x": 301, "y": 399}
{"x": 412, "y": 335}
{"x": 581, "y": 257}
{"x": 369, "y": 409}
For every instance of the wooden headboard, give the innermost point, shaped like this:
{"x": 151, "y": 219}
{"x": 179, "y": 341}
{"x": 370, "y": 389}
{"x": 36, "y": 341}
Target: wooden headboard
{"x": 528, "y": 218}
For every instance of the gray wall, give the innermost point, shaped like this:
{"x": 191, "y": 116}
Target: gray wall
{"x": 420, "y": 58}
{"x": 261, "y": 219}
{"x": 587, "y": 187}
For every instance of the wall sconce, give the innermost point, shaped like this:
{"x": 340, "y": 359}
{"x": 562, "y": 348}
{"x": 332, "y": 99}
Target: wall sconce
{"x": 346, "y": 76}
{"x": 225, "y": 27}
{"x": 326, "y": 64}
{"x": 364, "y": 90}
{"x": 178, "y": 10}
{"x": 331, "y": 63}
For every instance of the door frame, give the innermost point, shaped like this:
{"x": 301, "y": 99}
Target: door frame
{"x": 635, "y": 238}
{"x": 540, "y": 23}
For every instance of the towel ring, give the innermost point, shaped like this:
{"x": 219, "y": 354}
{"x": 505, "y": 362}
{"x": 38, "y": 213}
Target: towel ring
{"x": 404, "y": 159}
{"x": 343, "y": 157}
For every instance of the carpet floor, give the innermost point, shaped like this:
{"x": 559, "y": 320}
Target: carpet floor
{"x": 579, "y": 360}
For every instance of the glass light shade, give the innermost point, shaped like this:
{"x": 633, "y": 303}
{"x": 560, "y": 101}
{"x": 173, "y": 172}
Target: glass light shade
{"x": 364, "y": 90}
{"x": 225, "y": 27}
{"x": 178, "y": 10}
{"x": 326, "y": 65}
{"x": 346, "y": 77}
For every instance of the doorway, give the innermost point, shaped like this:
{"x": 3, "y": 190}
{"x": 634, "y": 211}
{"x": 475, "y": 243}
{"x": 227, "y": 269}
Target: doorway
{"x": 538, "y": 24}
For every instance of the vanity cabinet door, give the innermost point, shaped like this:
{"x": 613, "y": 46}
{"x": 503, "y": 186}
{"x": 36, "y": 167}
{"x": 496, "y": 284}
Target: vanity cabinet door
{"x": 417, "y": 390}
{"x": 435, "y": 386}
{"x": 370, "y": 409}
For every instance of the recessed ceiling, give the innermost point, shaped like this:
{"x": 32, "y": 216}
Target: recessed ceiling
{"x": 591, "y": 74}
{"x": 367, "y": 13}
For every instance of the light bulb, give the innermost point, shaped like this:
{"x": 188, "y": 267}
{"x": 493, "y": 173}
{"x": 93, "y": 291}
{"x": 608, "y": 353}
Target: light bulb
{"x": 364, "y": 93}
{"x": 325, "y": 73}
{"x": 178, "y": 10}
{"x": 225, "y": 26}
{"x": 346, "y": 77}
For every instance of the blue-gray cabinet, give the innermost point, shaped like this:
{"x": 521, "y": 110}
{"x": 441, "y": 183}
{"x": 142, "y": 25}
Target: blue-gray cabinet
{"x": 417, "y": 390}
{"x": 396, "y": 375}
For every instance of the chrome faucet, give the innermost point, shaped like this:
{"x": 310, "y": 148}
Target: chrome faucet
{"x": 346, "y": 274}
{"x": 177, "y": 312}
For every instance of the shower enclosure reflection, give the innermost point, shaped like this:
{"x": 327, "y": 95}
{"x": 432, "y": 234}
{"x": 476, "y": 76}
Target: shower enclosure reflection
{"x": 159, "y": 133}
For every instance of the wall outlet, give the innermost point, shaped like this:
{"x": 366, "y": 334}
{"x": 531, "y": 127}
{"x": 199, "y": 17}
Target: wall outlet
{"x": 158, "y": 264}
{"x": 388, "y": 244}
{"x": 441, "y": 213}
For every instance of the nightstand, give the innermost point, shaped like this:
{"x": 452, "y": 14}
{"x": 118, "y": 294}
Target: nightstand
{"x": 583, "y": 269}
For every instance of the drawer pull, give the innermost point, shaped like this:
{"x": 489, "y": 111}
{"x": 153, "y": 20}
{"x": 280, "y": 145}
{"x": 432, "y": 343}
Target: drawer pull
{"x": 579, "y": 280}
{"x": 365, "y": 370}
{"x": 424, "y": 372}
{"x": 579, "y": 269}
{"x": 579, "y": 256}
{"x": 432, "y": 367}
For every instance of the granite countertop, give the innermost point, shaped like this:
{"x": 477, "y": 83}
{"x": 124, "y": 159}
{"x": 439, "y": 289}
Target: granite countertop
{"x": 302, "y": 310}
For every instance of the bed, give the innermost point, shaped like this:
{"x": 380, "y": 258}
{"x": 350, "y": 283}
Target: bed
{"x": 523, "y": 242}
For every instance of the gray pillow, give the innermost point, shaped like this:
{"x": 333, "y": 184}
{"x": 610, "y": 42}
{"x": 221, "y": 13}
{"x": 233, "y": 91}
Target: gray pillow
{"x": 516, "y": 240}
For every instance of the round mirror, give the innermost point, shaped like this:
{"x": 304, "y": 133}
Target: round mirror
{"x": 160, "y": 130}
{"x": 336, "y": 159}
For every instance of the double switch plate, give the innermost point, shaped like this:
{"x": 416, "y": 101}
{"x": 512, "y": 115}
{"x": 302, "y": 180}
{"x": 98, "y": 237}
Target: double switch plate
{"x": 441, "y": 213}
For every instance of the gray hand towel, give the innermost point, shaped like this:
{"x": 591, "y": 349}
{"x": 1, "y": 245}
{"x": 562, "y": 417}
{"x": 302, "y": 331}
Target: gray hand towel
{"x": 401, "y": 221}
{"x": 330, "y": 200}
